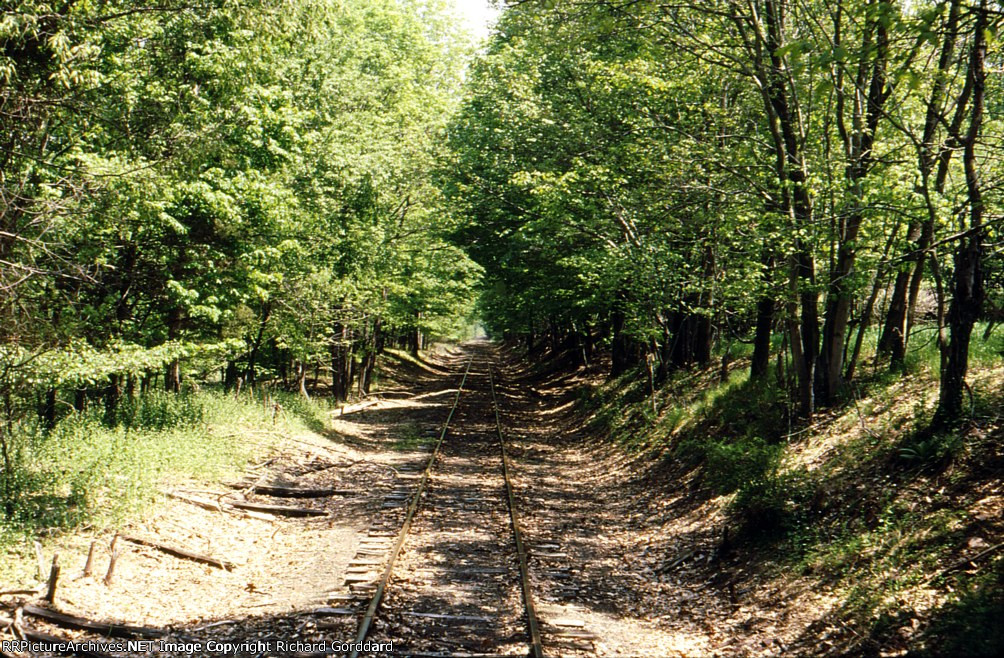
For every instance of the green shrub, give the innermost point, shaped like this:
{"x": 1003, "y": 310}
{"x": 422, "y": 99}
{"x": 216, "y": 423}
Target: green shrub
{"x": 929, "y": 449}
{"x": 86, "y": 471}
{"x": 772, "y": 503}
{"x": 160, "y": 410}
{"x": 731, "y": 466}
{"x": 756, "y": 407}
{"x": 767, "y": 498}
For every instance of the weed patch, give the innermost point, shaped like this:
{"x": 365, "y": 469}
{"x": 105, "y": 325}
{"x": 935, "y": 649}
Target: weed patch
{"x": 85, "y": 471}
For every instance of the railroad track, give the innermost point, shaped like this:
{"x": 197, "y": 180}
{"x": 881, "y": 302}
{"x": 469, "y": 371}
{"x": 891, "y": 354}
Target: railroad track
{"x": 455, "y": 579}
{"x": 444, "y": 570}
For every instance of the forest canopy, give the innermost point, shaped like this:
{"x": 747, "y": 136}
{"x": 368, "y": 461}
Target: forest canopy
{"x": 673, "y": 179}
{"x": 235, "y": 186}
{"x": 272, "y": 189}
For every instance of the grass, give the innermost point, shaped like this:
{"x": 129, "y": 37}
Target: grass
{"x": 87, "y": 472}
{"x": 410, "y": 437}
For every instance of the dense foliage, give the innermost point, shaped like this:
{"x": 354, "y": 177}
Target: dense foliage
{"x": 218, "y": 190}
{"x": 672, "y": 177}
{"x": 184, "y": 186}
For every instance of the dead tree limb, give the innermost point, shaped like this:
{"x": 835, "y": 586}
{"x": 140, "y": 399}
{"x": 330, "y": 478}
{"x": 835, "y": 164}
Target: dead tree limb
{"x": 181, "y": 553}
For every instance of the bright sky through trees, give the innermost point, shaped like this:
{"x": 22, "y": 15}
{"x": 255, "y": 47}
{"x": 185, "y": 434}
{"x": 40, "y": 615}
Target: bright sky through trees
{"x": 479, "y": 15}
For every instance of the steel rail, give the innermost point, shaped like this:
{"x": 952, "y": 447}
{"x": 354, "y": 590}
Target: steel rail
{"x": 536, "y": 646}
{"x": 367, "y": 622}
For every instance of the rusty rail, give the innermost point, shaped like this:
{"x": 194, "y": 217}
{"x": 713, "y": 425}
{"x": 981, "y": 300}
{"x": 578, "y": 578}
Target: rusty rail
{"x": 536, "y": 645}
{"x": 367, "y": 622}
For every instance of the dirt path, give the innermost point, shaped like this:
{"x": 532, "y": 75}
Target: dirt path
{"x": 622, "y": 563}
{"x": 596, "y": 509}
{"x": 289, "y": 573}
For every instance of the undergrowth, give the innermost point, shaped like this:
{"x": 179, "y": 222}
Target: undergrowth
{"x": 93, "y": 469}
{"x": 865, "y": 501}
{"x": 968, "y": 624}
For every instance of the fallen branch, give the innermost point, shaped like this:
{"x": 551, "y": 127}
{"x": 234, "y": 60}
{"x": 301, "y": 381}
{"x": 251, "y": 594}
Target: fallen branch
{"x": 255, "y": 467}
{"x": 21, "y": 592}
{"x": 181, "y": 553}
{"x": 212, "y": 506}
{"x": 280, "y": 510}
{"x": 683, "y": 557}
{"x": 293, "y": 492}
{"x": 359, "y": 406}
{"x": 215, "y": 624}
{"x": 218, "y": 506}
{"x": 109, "y": 629}
{"x": 964, "y": 562}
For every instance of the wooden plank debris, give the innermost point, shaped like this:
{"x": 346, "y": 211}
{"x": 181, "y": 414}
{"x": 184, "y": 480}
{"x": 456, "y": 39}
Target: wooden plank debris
{"x": 576, "y": 634}
{"x": 210, "y": 505}
{"x": 277, "y": 491}
{"x": 341, "y": 596}
{"x": 280, "y": 510}
{"x": 332, "y": 612}
{"x": 89, "y": 565}
{"x": 182, "y": 553}
{"x": 106, "y": 628}
{"x": 434, "y": 615}
{"x": 39, "y": 560}
{"x": 36, "y": 636}
{"x": 21, "y": 592}
{"x": 113, "y": 558}
{"x": 454, "y": 654}
{"x": 50, "y": 592}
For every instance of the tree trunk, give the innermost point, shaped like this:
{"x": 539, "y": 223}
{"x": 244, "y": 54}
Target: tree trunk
{"x": 620, "y": 347}
{"x": 802, "y": 350}
{"x": 301, "y": 379}
{"x": 112, "y": 395}
{"x": 47, "y": 412}
{"x": 878, "y": 283}
{"x": 967, "y": 282}
{"x": 859, "y": 144}
{"x": 249, "y": 372}
{"x": 230, "y": 376}
{"x": 172, "y": 377}
{"x": 760, "y": 363}
{"x": 338, "y": 388}
{"x": 770, "y": 71}
{"x": 172, "y": 373}
{"x": 903, "y": 303}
